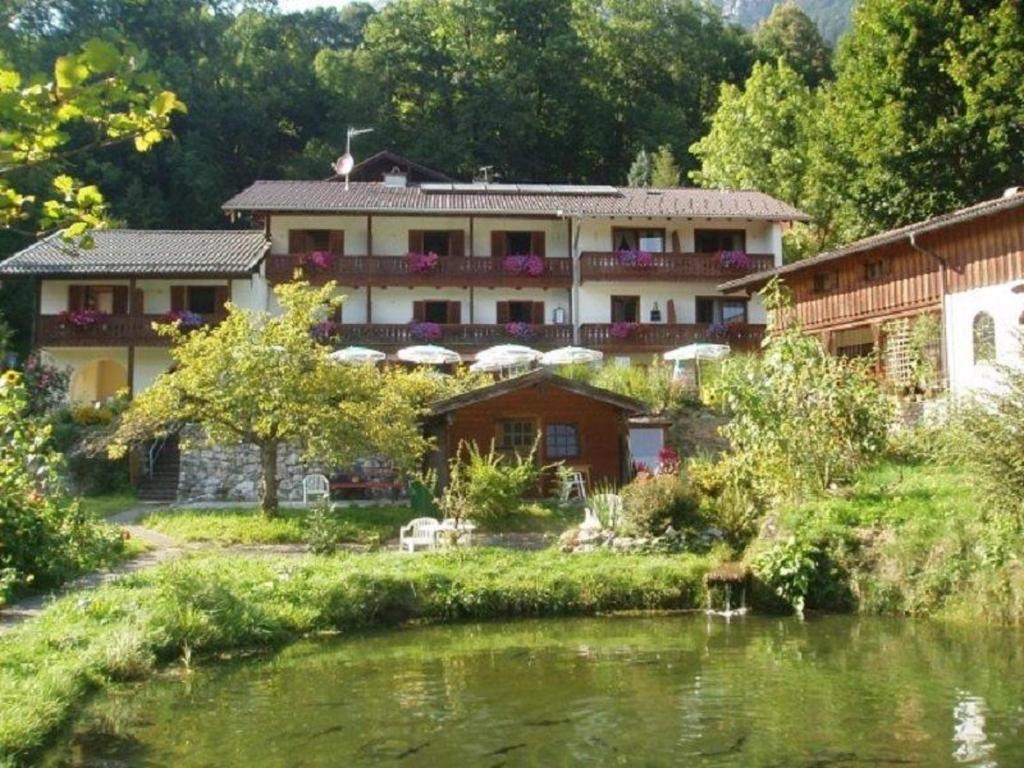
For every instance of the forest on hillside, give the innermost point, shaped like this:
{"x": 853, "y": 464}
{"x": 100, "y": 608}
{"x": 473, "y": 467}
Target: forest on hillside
{"x": 919, "y": 109}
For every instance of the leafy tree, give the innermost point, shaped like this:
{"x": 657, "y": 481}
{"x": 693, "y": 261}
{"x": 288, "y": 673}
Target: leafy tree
{"x": 262, "y": 380}
{"x": 640, "y": 171}
{"x": 665, "y": 171}
{"x": 760, "y": 138}
{"x": 789, "y": 34}
{"x": 95, "y": 98}
{"x": 801, "y": 419}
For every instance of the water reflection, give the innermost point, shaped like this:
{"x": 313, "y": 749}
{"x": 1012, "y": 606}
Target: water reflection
{"x": 969, "y": 737}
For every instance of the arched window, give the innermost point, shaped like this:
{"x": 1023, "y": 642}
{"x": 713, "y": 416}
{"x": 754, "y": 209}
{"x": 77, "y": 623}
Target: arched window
{"x": 984, "y": 338}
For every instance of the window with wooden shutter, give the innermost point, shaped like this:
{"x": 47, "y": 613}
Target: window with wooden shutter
{"x": 76, "y": 297}
{"x": 498, "y": 244}
{"x": 177, "y": 298}
{"x": 297, "y": 241}
{"x": 138, "y": 302}
{"x": 538, "y": 313}
{"x": 454, "y": 312}
{"x": 336, "y": 242}
{"x": 503, "y": 312}
{"x": 223, "y": 296}
{"x": 419, "y": 311}
{"x": 457, "y": 243}
{"x": 537, "y": 243}
{"x": 119, "y": 305}
{"x": 416, "y": 241}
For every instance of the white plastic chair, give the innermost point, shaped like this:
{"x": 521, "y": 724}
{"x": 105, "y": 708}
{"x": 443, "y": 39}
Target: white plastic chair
{"x": 574, "y": 482}
{"x": 315, "y": 486}
{"x": 421, "y": 532}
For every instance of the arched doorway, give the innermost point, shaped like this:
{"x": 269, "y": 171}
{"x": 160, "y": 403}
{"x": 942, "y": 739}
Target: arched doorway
{"x": 98, "y": 380}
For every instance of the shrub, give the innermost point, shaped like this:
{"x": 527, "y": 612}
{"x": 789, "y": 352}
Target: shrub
{"x": 652, "y": 384}
{"x": 44, "y": 536}
{"x": 651, "y": 503}
{"x": 493, "y": 484}
{"x": 321, "y": 529}
{"x": 788, "y": 567}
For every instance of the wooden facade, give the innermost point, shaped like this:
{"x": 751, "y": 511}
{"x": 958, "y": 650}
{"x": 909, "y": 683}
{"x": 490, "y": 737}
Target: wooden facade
{"x": 599, "y": 420}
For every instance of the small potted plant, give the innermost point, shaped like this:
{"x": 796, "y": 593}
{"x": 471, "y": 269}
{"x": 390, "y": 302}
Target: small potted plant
{"x": 318, "y": 261}
{"x": 186, "y": 319}
{"x": 623, "y": 330}
{"x": 81, "y": 319}
{"x": 735, "y": 260}
{"x": 519, "y": 330}
{"x": 528, "y": 265}
{"x": 421, "y": 262}
{"x": 635, "y": 258}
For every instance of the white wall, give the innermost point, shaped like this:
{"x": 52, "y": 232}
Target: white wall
{"x": 150, "y": 362}
{"x": 394, "y": 305}
{"x": 354, "y": 226}
{"x": 53, "y": 294}
{"x": 595, "y": 300}
{"x": 556, "y": 234}
{"x": 486, "y": 300}
{"x": 1006, "y": 308}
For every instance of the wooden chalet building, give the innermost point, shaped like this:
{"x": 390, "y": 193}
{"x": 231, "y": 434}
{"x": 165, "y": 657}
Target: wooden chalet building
{"x": 966, "y": 268}
{"x": 583, "y": 426}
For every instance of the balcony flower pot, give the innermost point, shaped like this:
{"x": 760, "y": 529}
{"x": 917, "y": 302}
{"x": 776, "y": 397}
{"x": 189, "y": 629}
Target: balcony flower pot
{"x": 735, "y": 260}
{"x": 318, "y": 261}
{"x": 521, "y": 331}
{"x": 426, "y": 331}
{"x": 718, "y": 331}
{"x": 635, "y": 259}
{"x": 421, "y": 262}
{"x": 622, "y": 330}
{"x": 186, "y": 319}
{"x": 83, "y": 319}
{"x": 326, "y": 332}
{"x": 528, "y": 266}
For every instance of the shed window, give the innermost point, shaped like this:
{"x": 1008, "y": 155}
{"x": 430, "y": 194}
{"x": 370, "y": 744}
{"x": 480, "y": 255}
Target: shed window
{"x": 516, "y": 435}
{"x": 715, "y": 240}
{"x": 561, "y": 441}
{"x": 874, "y": 270}
{"x": 825, "y": 282}
{"x": 984, "y": 338}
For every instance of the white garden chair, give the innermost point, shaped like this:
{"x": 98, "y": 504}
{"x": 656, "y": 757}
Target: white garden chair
{"x": 421, "y": 532}
{"x": 574, "y": 483}
{"x": 315, "y": 486}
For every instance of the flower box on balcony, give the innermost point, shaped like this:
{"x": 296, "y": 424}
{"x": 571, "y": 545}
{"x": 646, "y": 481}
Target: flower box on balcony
{"x": 528, "y": 266}
{"x": 635, "y": 259}
{"x": 326, "y": 332}
{"x": 318, "y": 261}
{"x": 735, "y": 260}
{"x": 426, "y": 331}
{"x": 421, "y": 262}
{"x": 622, "y": 330}
{"x": 81, "y": 319}
{"x": 521, "y": 331}
{"x": 186, "y": 319}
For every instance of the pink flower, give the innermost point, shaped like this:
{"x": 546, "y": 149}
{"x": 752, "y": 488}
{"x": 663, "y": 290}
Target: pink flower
{"x": 319, "y": 260}
{"x": 421, "y": 262}
{"x": 636, "y": 259}
{"x": 622, "y": 330}
{"x": 531, "y": 266}
{"x": 427, "y": 331}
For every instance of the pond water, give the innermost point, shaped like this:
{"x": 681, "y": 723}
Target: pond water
{"x": 651, "y": 691}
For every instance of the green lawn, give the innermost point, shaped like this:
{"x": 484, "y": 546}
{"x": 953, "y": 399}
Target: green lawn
{"x": 245, "y": 525}
{"x": 108, "y": 504}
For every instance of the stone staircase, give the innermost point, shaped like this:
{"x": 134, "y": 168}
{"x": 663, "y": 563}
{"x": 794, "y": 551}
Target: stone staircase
{"x": 162, "y": 485}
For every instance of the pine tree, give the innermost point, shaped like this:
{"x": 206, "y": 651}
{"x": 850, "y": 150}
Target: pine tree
{"x": 640, "y": 170}
{"x": 665, "y": 170}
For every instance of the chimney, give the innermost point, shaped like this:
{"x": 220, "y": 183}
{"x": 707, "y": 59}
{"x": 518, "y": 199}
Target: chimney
{"x": 396, "y": 177}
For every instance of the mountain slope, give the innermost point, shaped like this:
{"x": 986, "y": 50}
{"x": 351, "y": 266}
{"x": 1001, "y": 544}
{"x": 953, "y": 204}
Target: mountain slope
{"x": 831, "y": 16}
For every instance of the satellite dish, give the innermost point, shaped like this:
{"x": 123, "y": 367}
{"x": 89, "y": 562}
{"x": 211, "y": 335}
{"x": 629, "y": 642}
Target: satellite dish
{"x": 344, "y": 164}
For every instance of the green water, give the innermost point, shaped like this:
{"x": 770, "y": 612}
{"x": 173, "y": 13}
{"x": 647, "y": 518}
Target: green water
{"x": 674, "y": 690}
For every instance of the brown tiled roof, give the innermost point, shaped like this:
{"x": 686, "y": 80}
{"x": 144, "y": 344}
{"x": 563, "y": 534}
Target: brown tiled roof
{"x": 144, "y": 252}
{"x": 373, "y": 168}
{"x": 987, "y": 208}
{"x": 510, "y": 199}
{"x": 534, "y": 377}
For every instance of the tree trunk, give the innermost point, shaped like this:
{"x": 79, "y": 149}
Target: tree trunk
{"x": 268, "y": 481}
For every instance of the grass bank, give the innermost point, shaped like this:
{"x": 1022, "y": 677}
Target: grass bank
{"x": 214, "y": 603}
{"x": 911, "y": 537}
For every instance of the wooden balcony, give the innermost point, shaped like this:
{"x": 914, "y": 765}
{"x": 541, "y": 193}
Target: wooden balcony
{"x": 454, "y": 271}
{"x": 659, "y": 337}
{"x": 668, "y": 266}
{"x": 463, "y": 337}
{"x": 111, "y": 331}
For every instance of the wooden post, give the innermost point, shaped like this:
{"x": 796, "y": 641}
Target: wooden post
{"x": 471, "y": 307}
{"x": 369, "y": 303}
{"x": 131, "y": 372}
{"x": 369, "y": 234}
{"x": 470, "y": 252}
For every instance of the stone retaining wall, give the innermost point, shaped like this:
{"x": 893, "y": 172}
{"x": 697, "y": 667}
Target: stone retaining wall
{"x": 232, "y": 473}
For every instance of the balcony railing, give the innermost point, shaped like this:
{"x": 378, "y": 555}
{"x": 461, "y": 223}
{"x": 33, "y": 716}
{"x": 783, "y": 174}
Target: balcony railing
{"x": 395, "y": 270}
{"x": 109, "y": 331}
{"x": 659, "y": 337}
{"x": 473, "y": 336}
{"x": 671, "y": 266}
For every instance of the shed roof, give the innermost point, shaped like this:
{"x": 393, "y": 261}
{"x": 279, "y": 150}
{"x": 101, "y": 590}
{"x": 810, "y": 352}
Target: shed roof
{"x": 143, "y": 252}
{"x": 530, "y": 379}
{"x": 1013, "y": 198}
{"x": 509, "y": 199}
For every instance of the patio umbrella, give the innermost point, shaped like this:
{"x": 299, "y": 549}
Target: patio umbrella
{"x": 571, "y": 356}
{"x": 697, "y": 352}
{"x": 356, "y": 355}
{"x": 515, "y": 353}
{"x": 429, "y": 354}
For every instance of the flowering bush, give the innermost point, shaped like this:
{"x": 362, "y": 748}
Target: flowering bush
{"x": 186, "y": 318}
{"x": 668, "y": 461}
{"x": 326, "y": 331}
{"x": 319, "y": 260}
{"x": 622, "y": 330}
{"x": 427, "y": 331}
{"x": 531, "y": 266}
{"x": 519, "y": 330}
{"x": 45, "y": 385}
{"x": 421, "y": 262}
{"x": 82, "y": 318}
{"x": 636, "y": 259}
{"x": 737, "y": 260}
{"x": 718, "y": 330}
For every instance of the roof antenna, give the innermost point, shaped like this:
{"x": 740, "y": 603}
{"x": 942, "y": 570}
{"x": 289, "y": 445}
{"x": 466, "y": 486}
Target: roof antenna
{"x": 344, "y": 164}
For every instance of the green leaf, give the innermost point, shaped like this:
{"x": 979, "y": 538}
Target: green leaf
{"x": 164, "y": 103}
{"x": 69, "y": 72}
{"x": 64, "y": 184}
{"x": 100, "y": 56}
